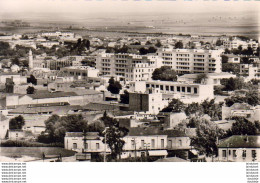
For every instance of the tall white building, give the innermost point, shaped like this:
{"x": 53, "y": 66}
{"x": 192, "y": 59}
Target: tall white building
{"x": 250, "y": 71}
{"x": 125, "y": 65}
{"x": 191, "y": 60}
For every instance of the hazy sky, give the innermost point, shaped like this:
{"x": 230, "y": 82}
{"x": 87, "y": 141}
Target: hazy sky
{"x": 92, "y": 6}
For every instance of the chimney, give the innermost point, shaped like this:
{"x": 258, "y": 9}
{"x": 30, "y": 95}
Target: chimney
{"x": 246, "y": 139}
{"x": 217, "y": 141}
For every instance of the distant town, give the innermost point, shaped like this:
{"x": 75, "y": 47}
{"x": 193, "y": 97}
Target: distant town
{"x": 137, "y": 98}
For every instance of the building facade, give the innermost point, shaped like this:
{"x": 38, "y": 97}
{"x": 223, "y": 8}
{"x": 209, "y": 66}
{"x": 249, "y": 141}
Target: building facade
{"x": 185, "y": 61}
{"x": 239, "y": 148}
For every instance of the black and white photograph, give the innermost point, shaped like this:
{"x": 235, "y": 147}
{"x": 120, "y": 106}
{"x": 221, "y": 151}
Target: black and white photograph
{"x": 129, "y": 81}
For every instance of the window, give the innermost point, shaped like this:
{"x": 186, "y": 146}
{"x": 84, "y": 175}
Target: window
{"x": 234, "y": 153}
{"x": 244, "y": 154}
{"x": 170, "y": 144}
{"x": 189, "y": 89}
{"x": 183, "y": 89}
{"x": 172, "y": 88}
{"x": 86, "y": 146}
{"x": 253, "y": 154}
{"x": 157, "y": 86}
{"x": 161, "y": 87}
{"x": 162, "y": 143}
{"x": 133, "y": 144}
{"x": 147, "y": 85}
{"x": 180, "y": 143}
{"x": 153, "y": 143}
{"x": 97, "y": 145}
{"x": 142, "y": 144}
{"x": 229, "y": 152}
{"x": 224, "y": 153}
{"x": 74, "y": 145}
{"x": 195, "y": 90}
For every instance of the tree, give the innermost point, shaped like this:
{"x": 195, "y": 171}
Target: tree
{"x": 206, "y": 139}
{"x": 194, "y": 109}
{"x": 30, "y": 90}
{"x": 234, "y": 99}
{"x": 224, "y": 59}
{"x": 148, "y": 43}
{"x": 15, "y": 61}
{"x": 231, "y": 67}
{"x": 87, "y": 44}
{"x": 165, "y": 73}
{"x": 114, "y": 136}
{"x": 243, "y": 127}
{"x": 232, "y": 84}
{"x": 246, "y": 60}
{"x": 152, "y": 49}
{"x": 201, "y": 78}
{"x": 248, "y": 51}
{"x": 255, "y": 81}
{"x": 16, "y": 123}
{"x": 219, "y": 42}
{"x": 212, "y": 109}
{"x": 227, "y": 51}
{"x": 114, "y": 86}
{"x": 158, "y": 44}
{"x": 32, "y": 80}
{"x": 179, "y": 45}
{"x": 124, "y": 49}
{"x": 125, "y": 97}
{"x": 56, "y": 127}
{"x": 174, "y": 106}
{"x": 251, "y": 98}
{"x": 143, "y": 51}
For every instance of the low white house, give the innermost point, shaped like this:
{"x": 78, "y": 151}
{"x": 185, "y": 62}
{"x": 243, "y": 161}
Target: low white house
{"x": 239, "y": 148}
{"x": 211, "y": 78}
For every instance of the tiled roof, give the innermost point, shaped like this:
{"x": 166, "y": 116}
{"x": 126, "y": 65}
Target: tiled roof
{"x": 175, "y": 133}
{"x": 172, "y": 159}
{"x": 100, "y": 106}
{"x": 241, "y": 141}
{"x": 145, "y": 131}
{"x": 87, "y": 92}
{"x": 55, "y": 109}
{"x": 74, "y": 134}
{"x": 43, "y": 95}
{"x": 89, "y": 135}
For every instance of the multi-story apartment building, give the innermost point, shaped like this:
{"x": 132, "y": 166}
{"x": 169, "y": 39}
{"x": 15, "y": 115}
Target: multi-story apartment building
{"x": 142, "y": 72}
{"x": 124, "y": 65}
{"x": 150, "y": 102}
{"x": 250, "y": 71}
{"x": 191, "y": 60}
